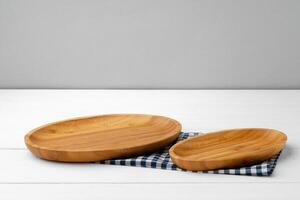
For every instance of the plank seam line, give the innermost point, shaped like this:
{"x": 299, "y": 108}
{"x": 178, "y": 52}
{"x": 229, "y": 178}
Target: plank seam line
{"x": 145, "y": 183}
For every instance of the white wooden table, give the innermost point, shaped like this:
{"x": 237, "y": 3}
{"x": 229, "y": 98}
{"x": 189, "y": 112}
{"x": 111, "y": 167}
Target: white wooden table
{"x": 23, "y": 176}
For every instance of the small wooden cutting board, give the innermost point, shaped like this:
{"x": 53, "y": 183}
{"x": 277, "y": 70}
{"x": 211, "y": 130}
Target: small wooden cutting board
{"x": 102, "y": 137}
{"x": 227, "y": 149}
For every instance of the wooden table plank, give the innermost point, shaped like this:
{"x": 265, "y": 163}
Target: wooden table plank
{"x": 24, "y": 176}
{"x": 197, "y": 110}
{"x": 19, "y": 166}
{"x": 208, "y": 191}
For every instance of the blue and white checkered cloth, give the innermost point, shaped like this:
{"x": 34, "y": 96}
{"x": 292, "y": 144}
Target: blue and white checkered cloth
{"x": 161, "y": 160}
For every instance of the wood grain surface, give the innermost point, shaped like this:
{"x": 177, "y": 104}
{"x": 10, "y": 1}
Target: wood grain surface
{"x": 102, "y": 137}
{"x": 227, "y": 149}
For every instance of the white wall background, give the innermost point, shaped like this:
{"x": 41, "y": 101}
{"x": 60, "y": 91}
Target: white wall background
{"x": 149, "y": 44}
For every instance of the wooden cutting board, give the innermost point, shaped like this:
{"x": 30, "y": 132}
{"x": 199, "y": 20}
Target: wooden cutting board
{"x": 227, "y": 149}
{"x": 102, "y": 137}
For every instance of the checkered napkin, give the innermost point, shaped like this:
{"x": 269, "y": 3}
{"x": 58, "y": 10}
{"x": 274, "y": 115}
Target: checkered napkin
{"x": 161, "y": 160}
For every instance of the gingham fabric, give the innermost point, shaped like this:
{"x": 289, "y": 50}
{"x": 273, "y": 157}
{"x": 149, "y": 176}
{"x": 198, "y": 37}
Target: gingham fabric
{"x": 161, "y": 160}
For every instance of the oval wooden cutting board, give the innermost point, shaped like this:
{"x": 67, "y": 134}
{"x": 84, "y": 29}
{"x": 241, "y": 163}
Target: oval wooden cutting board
{"x": 102, "y": 137}
{"x": 227, "y": 149}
